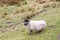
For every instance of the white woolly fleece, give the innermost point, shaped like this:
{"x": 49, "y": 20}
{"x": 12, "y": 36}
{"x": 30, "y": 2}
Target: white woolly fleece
{"x": 36, "y": 25}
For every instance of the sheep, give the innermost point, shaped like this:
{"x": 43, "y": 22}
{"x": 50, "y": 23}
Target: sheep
{"x": 35, "y": 25}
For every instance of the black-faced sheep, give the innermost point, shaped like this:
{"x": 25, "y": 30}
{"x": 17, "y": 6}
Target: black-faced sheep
{"x": 35, "y": 25}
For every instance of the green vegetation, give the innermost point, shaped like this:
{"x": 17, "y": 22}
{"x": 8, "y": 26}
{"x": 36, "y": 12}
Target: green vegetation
{"x": 52, "y": 17}
{"x": 11, "y": 17}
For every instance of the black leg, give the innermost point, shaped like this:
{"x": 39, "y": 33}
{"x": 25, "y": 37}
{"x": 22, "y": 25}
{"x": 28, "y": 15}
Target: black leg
{"x": 31, "y": 31}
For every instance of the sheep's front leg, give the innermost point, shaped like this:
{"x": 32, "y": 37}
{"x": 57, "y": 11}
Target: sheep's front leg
{"x": 31, "y": 32}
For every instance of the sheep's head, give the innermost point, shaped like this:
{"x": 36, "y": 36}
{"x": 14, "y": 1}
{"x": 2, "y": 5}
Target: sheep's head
{"x": 26, "y": 22}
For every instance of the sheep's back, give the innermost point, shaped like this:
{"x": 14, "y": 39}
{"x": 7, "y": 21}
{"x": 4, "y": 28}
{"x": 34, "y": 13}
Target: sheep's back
{"x": 38, "y": 25}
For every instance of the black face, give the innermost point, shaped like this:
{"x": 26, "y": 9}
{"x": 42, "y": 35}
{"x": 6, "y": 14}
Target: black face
{"x": 26, "y": 22}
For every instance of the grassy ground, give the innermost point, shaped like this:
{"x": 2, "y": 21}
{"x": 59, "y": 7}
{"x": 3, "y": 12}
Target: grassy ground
{"x": 52, "y": 16}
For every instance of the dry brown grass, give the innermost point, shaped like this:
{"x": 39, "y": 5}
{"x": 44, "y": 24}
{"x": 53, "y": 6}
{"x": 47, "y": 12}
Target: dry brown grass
{"x": 34, "y": 8}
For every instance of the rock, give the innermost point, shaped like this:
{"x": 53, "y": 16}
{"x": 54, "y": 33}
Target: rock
{"x": 8, "y": 22}
{"x": 58, "y": 38}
